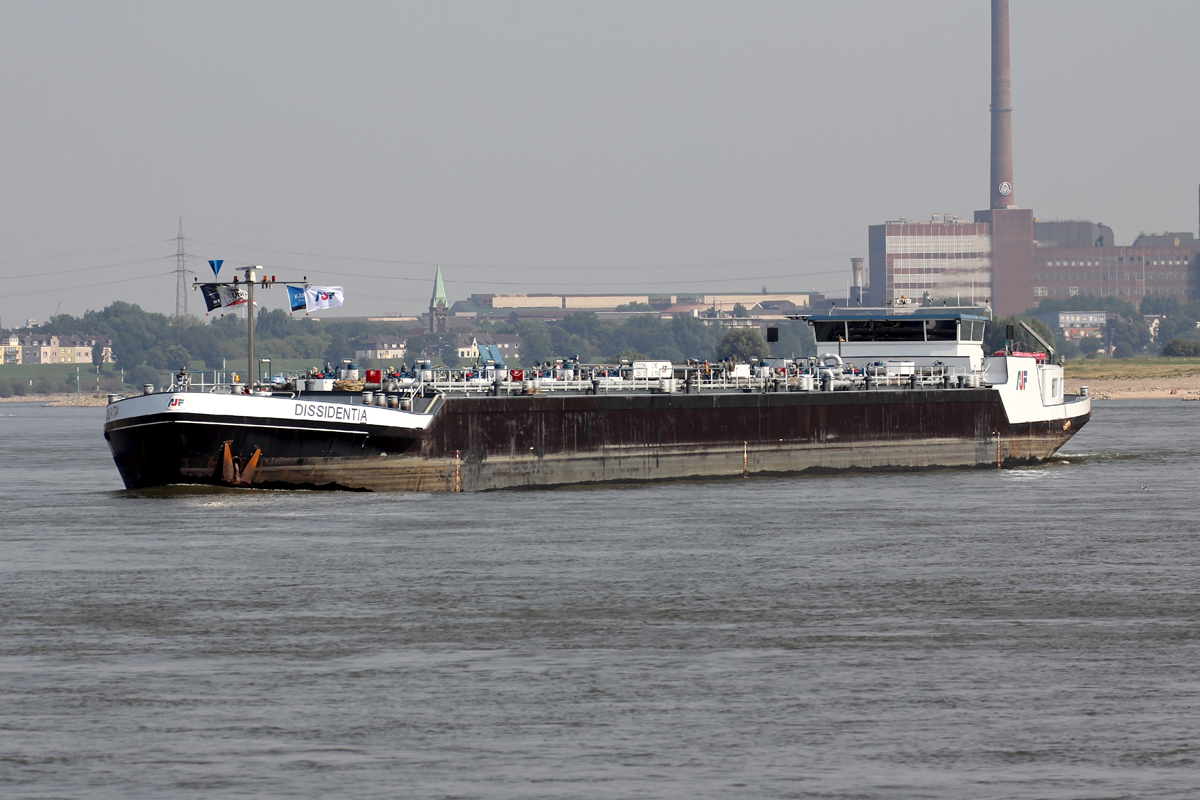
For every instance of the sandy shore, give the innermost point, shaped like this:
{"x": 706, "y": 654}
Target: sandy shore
{"x": 59, "y": 400}
{"x": 1186, "y": 388}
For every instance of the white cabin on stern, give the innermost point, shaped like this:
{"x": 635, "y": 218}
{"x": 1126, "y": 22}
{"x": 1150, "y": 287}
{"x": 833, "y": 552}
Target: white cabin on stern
{"x": 928, "y": 339}
{"x": 925, "y": 336}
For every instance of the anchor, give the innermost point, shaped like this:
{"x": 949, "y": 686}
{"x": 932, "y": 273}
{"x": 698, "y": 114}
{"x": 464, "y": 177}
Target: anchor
{"x": 232, "y": 471}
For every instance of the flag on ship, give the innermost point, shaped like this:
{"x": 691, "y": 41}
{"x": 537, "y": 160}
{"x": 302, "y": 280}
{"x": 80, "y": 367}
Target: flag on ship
{"x": 296, "y": 298}
{"x": 323, "y": 297}
{"x": 233, "y": 296}
{"x": 223, "y": 296}
{"x": 212, "y": 295}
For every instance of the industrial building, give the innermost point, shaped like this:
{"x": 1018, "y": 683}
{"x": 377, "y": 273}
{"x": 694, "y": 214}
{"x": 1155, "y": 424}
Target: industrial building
{"x": 1155, "y": 264}
{"x": 558, "y": 306}
{"x": 945, "y": 257}
{"x": 954, "y": 260}
{"x": 1007, "y": 258}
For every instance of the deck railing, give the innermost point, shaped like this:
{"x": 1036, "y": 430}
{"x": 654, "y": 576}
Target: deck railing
{"x": 604, "y": 380}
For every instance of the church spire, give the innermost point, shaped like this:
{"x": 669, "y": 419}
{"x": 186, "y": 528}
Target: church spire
{"x": 439, "y": 308}
{"x": 439, "y": 291}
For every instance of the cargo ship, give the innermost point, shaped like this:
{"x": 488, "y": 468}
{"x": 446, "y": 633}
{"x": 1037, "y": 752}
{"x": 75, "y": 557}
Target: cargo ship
{"x": 894, "y": 389}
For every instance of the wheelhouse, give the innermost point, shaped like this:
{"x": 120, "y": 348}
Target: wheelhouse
{"x": 924, "y": 336}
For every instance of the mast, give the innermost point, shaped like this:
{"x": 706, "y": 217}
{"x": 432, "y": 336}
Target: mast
{"x": 250, "y": 327}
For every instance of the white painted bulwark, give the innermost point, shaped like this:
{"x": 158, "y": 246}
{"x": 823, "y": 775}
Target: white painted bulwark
{"x": 1032, "y": 392}
{"x": 255, "y": 411}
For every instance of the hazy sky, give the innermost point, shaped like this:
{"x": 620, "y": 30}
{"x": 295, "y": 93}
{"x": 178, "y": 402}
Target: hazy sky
{"x": 586, "y": 147}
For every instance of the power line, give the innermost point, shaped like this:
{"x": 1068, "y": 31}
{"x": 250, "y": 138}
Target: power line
{"x": 84, "y": 269}
{"x": 88, "y": 285}
{"x": 741, "y": 278}
{"x": 690, "y": 265}
{"x": 81, "y": 253}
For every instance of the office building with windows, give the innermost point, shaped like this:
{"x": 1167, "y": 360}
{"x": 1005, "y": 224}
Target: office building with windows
{"x": 948, "y": 258}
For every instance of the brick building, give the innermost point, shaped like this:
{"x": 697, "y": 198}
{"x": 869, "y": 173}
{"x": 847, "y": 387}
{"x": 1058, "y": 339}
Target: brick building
{"x": 1027, "y": 261}
{"x": 1155, "y": 264}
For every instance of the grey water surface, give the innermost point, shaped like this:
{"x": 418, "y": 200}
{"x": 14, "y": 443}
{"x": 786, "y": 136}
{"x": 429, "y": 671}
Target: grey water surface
{"x": 1015, "y": 633}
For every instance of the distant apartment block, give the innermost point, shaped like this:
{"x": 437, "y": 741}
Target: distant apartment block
{"x": 381, "y": 348}
{"x": 42, "y": 348}
{"x": 1078, "y": 324}
{"x": 10, "y": 348}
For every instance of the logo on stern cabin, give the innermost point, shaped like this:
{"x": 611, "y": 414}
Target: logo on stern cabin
{"x": 1022, "y": 376}
{"x": 177, "y": 403}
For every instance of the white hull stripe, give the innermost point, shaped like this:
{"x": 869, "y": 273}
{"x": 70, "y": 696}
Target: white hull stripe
{"x": 228, "y": 424}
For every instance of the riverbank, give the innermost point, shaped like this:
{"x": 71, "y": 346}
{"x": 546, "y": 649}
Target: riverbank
{"x": 1140, "y": 378}
{"x": 1178, "y": 388}
{"x": 59, "y": 400}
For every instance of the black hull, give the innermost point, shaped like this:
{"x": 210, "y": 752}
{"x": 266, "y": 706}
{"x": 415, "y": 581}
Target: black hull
{"x": 483, "y": 443}
{"x": 173, "y": 448}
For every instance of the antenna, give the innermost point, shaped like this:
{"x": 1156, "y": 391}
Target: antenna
{"x": 180, "y": 276}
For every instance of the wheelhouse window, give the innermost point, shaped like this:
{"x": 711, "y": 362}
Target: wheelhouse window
{"x": 886, "y": 330}
{"x": 829, "y": 331}
{"x": 972, "y": 330}
{"x": 941, "y": 330}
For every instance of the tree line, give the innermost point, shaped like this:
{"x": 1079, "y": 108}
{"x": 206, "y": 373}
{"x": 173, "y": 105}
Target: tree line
{"x": 1126, "y": 332}
{"x": 147, "y": 346}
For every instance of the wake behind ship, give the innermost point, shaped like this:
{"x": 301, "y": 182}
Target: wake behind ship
{"x": 898, "y": 389}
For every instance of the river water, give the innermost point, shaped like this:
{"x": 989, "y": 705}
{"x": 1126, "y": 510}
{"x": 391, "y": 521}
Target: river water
{"x": 993, "y": 634}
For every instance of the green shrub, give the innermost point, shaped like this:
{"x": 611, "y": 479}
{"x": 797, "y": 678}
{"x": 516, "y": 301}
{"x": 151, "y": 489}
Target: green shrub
{"x": 1182, "y": 347}
{"x": 743, "y": 344}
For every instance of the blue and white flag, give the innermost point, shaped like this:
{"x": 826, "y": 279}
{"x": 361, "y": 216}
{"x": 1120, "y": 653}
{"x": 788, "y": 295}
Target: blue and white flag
{"x": 323, "y": 297}
{"x": 216, "y": 265}
{"x": 296, "y": 298}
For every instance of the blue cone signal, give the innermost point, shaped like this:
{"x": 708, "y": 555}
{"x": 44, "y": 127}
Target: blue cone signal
{"x": 216, "y": 265}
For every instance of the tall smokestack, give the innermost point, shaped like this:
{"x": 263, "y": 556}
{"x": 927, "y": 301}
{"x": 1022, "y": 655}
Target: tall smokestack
{"x": 1002, "y": 169}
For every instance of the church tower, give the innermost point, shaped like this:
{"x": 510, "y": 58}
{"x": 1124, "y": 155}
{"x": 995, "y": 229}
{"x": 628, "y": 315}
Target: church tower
{"x": 439, "y": 310}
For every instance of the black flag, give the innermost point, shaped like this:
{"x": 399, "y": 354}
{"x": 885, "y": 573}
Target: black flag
{"x": 212, "y": 295}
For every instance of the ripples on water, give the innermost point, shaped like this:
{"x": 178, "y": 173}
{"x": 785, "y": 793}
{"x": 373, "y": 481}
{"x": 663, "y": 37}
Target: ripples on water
{"x": 1019, "y": 633}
